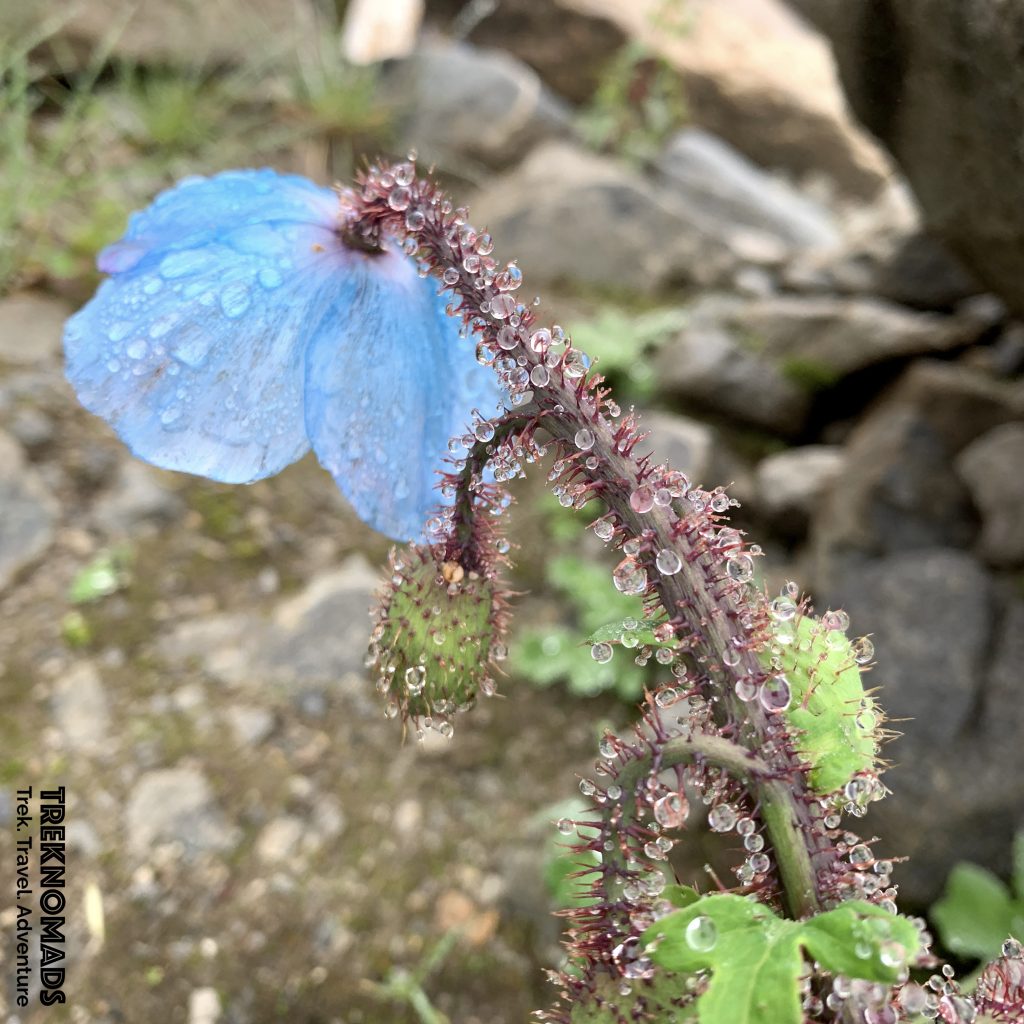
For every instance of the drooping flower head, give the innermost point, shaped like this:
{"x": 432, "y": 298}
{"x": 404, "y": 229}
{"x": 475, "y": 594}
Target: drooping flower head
{"x": 241, "y": 326}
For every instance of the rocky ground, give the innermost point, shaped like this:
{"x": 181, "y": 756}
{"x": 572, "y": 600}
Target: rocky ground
{"x": 263, "y": 844}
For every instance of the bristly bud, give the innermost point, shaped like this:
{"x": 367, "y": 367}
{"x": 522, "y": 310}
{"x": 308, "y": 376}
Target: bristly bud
{"x": 820, "y": 692}
{"x": 438, "y": 628}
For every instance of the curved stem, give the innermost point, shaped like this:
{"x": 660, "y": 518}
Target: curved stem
{"x": 713, "y": 750}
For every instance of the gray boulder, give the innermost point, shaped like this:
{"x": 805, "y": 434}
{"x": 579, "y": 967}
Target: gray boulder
{"x": 710, "y": 175}
{"x": 696, "y": 449}
{"x": 137, "y": 497}
{"x": 833, "y": 337}
{"x": 319, "y": 636}
{"x": 175, "y": 805}
{"x": 718, "y": 369}
{"x": 898, "y": 490}
{"x": 941, "y": 84}
{"x": 81, "y": 710}
{"x": 569, "y": 216}
{"x": 791, "y": 484}
{"x": 955, "y": 788}
{"x": 993, "y": 469}
{"x": 28, "y": 512}
{"x": 458, "y": 103}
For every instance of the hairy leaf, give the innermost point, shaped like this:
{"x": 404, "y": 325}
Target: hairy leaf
{"x": 977, "y": 912}
{"x": 756, "y": 960}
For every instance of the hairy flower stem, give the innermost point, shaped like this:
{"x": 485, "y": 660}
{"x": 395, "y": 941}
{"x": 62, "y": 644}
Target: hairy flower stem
{"x": 716, "y": 751}
{"x": 720, "y": 622}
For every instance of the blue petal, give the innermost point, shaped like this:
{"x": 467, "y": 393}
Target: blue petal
{"x": 194, "y": 350}
{"x": 388, "y": 382}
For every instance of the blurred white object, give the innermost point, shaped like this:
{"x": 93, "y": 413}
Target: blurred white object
{"x": 375, "y": 30}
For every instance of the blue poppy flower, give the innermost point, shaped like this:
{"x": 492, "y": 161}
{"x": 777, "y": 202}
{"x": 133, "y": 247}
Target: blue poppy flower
{"x": 237, "y": 330}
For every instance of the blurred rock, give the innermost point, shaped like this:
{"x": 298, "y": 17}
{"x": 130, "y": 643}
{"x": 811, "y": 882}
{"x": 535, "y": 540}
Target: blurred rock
{"x": 80, "y": 710}
{"x": 373, "y": 32}
{"x": 906, "y": 601}
{"x": 137, "y": 497}
{"x": 910, "y": 72}
{"x": 175, "y": 805}
{"x": 923, "y": 273}
{"x": 833, "y": 337}
{"x": 957, "y": 785}
{"x": 722, "y": 371}
{"x": 31, "y": 323}
{"x": 709, "y": 174}
{"x": 791, "y": 484}
{"x": 463, "y": 104}
{"x": 759, "y": 77}
{"x": 1005, "y": 356}
{"x": 898, "y": 489}
{"x": 569, "y": 216}
{"x": 280, "y": 840}
{"x": 28, "y": 512}
{"x": 203, "y": 1006}
{"x": 32, "y": 428}
{"x": 318, "y": 636}
{"x": 911, "y": 269}
{"x": 1003, "y": 713}
{"x": 696, "y": 449}
{"x": 249, "y": 723}
{"x": 569, "y": 48}
{"x": 687, "y": 445}
{"x": 165, "y": 31}
{"x": 993, "y": 469}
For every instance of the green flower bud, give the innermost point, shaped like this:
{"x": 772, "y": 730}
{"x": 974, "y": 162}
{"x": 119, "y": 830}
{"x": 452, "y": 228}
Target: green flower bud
{"x": 836, "y": 721}
{"x": 435, "y": 637}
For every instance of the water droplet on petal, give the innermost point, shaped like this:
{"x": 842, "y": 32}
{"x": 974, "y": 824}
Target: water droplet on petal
{"x": 136, "y": 349}
{"x": 270, "y": 277}
{"x": 235, "y": 300}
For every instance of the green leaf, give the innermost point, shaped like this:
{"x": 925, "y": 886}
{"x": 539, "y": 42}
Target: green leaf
{"x": 760, "y": 984}
{"x": 106, "y": 574}
{"x": 614, "y": 632}
{"x": 861, "y": 940}
{"x": 680, "y": 895}
{"x": 755, "y": 958}
{"x": 975, "y": 913}
{"x": 560, "y": 862}
{"x": 550, "y": 655}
